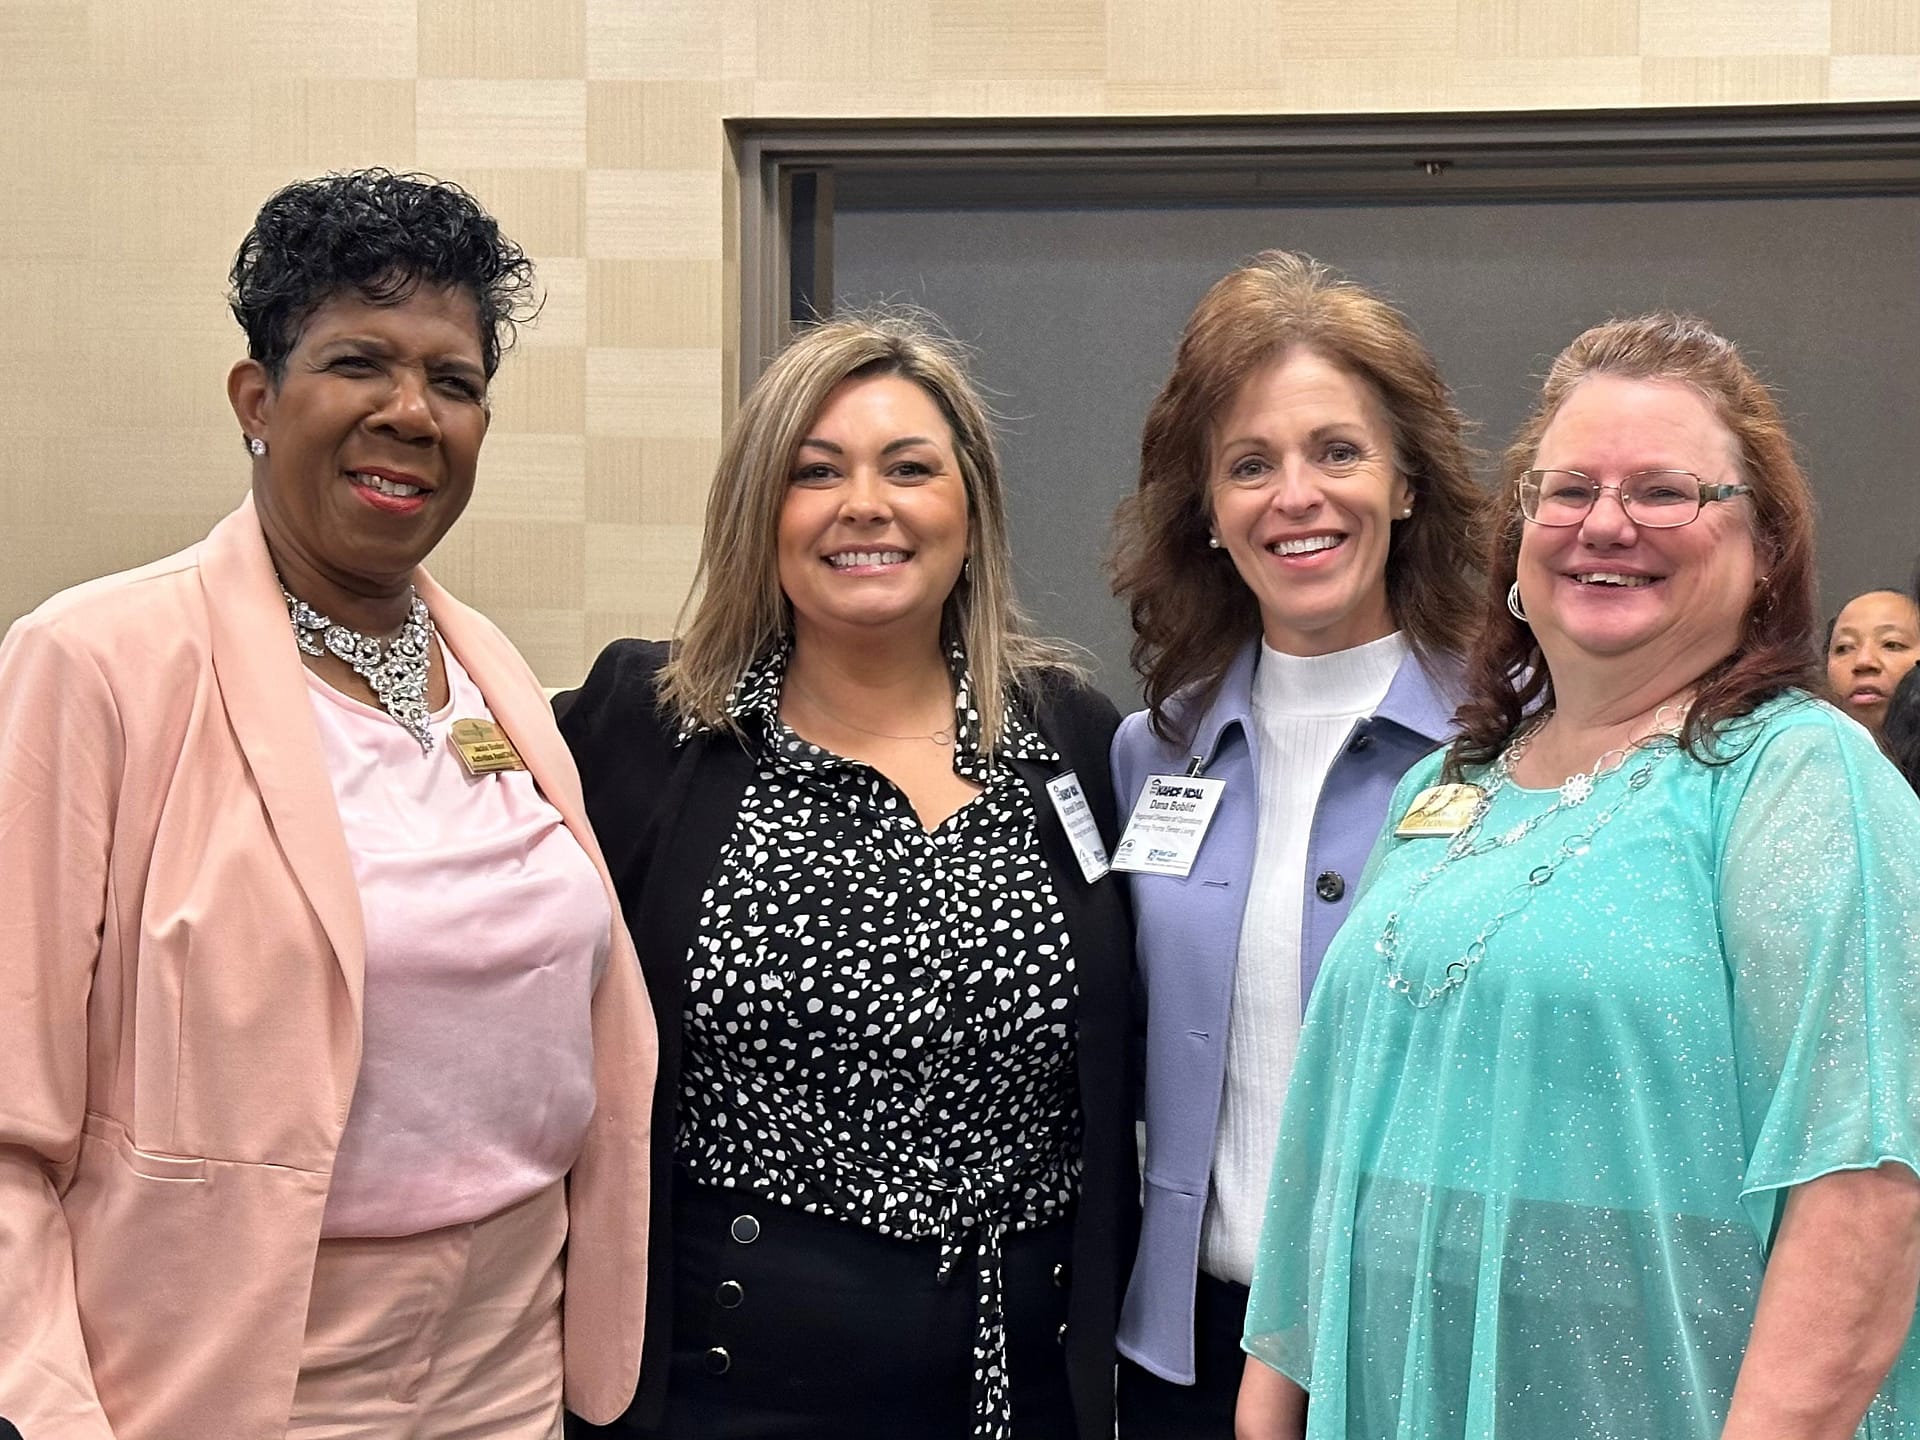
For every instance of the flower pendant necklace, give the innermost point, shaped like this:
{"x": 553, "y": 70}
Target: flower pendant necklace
{"x": 394, "y": 666}
{"x": 1658, "y": 743}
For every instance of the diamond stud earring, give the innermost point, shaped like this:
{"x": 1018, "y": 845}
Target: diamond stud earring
{"x": 256, "y": 446}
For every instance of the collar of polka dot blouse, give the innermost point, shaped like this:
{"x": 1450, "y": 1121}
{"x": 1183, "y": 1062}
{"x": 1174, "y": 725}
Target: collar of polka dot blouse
{"x": 942, "y": 736}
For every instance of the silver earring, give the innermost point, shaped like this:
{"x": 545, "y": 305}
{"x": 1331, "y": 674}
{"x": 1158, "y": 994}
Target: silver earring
{"x": 256, "y": 446}
{"x": 966, "y": 568}
{"x": 1213, "y": 542}
{"x": 1513, "y": 602}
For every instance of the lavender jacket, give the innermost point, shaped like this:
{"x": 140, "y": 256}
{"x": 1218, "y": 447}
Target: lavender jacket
{"x": 1187, "y": 939}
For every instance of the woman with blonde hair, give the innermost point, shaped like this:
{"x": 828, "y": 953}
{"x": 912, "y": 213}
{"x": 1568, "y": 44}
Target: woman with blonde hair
{"x": 859, "y": 815}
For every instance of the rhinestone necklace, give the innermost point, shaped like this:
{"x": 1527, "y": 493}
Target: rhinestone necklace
{"x": 394, "y": 666}
{"x": 1575, "y": 790}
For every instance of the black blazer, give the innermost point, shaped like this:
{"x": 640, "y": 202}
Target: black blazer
{"x": 662, "y": 814}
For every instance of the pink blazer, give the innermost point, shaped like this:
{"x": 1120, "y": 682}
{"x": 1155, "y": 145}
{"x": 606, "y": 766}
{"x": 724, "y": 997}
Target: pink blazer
{"x": 181, "y": 955}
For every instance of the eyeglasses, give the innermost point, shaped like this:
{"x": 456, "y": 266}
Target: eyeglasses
{"x": 1657, "y": 499}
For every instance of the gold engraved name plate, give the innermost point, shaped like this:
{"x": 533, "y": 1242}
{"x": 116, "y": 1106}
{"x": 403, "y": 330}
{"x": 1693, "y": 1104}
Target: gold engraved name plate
{"x": 1439, "y": 810}
{"x": 483, "y": 747}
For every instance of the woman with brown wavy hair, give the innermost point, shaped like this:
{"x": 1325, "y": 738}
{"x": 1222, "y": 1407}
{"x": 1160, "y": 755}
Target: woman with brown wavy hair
{"x": 1606, "y": 1119}
{"x": 1291, "y": 557}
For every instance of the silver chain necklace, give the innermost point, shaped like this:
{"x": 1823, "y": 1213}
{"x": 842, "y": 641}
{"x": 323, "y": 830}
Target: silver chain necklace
{"x": 1575, "y": 791}
{"x": 394, "y": 666}
{"x": 942, "y": 736}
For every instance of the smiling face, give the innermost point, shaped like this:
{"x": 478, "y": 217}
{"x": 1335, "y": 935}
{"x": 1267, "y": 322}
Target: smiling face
{"x": 1876, "y": 641}
{"x": 1667, "y": 603}
{"x": 373, "y": 434}
{"x": 873, "y": 529}
{"x": 1304, "y": 490}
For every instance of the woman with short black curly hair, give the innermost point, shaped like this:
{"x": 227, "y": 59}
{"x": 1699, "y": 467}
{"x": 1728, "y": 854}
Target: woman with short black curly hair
{"x": 320, "y": 1034}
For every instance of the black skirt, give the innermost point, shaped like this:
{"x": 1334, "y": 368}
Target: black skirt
{"x": 787, "y": 1326}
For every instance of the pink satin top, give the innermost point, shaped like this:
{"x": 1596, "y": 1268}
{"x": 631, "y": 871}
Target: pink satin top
{"x": 486, "y": 929}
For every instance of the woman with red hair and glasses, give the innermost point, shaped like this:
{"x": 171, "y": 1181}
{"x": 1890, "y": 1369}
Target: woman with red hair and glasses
{"x": 1606, "y": 1119}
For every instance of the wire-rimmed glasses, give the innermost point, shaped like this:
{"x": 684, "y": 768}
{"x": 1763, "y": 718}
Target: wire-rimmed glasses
{"x": 1657, "y": 499}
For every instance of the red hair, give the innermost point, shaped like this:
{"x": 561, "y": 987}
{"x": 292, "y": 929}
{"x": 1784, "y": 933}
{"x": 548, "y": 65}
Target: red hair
{"x": 1507, "y": 675}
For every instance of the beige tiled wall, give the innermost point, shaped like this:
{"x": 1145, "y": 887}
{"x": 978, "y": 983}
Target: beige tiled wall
{"x": 136, "y": 139}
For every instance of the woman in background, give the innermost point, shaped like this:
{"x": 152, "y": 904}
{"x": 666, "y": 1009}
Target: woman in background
{"x": 1875, "y": 640}
{"x": 319, "y": 1036}
{"x": 1606, "y": 1118}
{"x": 860, "y": 815}
{"x": 1291, "y": 561}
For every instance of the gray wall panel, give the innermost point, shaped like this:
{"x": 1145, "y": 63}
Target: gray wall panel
{"x": 1074, "y": 314}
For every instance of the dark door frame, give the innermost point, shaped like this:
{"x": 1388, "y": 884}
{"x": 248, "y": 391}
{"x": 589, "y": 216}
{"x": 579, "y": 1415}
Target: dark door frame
{"x": 790, "y": 170}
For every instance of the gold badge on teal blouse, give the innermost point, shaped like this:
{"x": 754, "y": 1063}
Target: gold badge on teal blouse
{"x": 1439, "y": 810}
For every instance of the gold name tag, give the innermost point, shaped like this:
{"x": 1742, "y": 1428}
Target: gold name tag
{"x": 1439, "y": 810}
{"x": 483, "y": 747}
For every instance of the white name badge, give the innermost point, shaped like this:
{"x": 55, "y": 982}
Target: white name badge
{"x": 1070, "y": 804}
{"x": 1169, "y": 821}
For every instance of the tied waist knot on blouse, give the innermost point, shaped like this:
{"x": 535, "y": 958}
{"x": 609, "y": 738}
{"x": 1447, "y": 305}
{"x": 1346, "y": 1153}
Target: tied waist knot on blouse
{"x": 880, "y": 1018}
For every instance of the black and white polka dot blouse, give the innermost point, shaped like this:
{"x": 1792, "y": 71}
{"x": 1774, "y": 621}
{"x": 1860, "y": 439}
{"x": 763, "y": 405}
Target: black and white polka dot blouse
{"x": 880, "y": 1019}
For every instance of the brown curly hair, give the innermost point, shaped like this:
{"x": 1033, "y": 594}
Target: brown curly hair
{"x": 1191, "y": 611}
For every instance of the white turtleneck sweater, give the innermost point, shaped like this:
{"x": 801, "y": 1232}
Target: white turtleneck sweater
{"x": 1304, "y": 707}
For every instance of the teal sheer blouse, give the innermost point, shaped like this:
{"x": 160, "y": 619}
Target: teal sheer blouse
{"x": 1541, "y": 1208}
